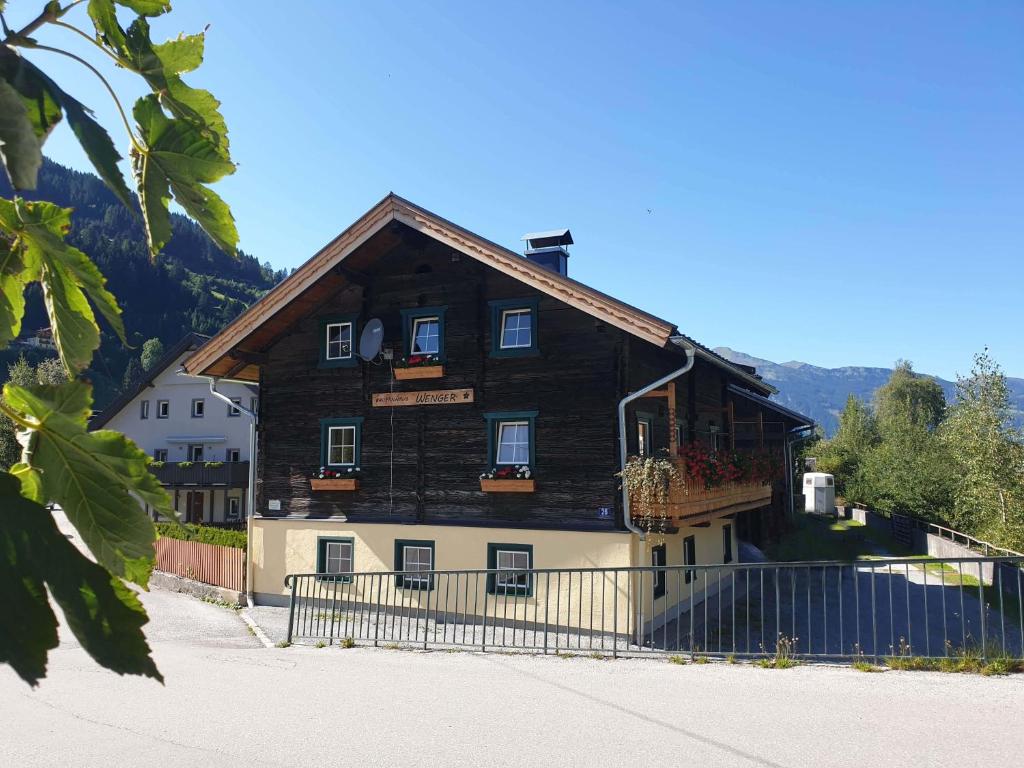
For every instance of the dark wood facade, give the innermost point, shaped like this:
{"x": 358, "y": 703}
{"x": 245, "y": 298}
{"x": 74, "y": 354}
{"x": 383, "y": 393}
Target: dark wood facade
{"x": 422, "y": 464}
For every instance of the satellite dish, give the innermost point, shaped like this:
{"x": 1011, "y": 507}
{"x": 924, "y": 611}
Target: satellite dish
{"x": 371, "y": 339}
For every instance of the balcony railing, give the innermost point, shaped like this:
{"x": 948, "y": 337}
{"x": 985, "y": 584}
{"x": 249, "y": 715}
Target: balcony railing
{"x": 690, "y": 501}
{"x": 230, "y": 474}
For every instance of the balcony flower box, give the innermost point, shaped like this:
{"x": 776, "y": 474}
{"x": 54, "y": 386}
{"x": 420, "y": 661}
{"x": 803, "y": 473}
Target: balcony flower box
{"x": 509, "y": 479}
{"x": 419, "y": 367}
{"x": 419, "y": 372}
{"x": 335, "y": 484}
{"x": 507, "y": 486}
{"x": 334, "y": 480}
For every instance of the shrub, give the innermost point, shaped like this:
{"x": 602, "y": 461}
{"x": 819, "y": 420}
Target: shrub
{"x": 222, "y": 537}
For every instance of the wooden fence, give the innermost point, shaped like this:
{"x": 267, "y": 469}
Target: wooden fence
{"x": 208, "y": 563}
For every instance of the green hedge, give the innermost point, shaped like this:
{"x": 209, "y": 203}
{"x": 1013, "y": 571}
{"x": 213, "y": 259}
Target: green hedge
{"x": 204, "y": 534}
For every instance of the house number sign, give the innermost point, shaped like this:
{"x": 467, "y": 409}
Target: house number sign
{"x": 433, "y": 397}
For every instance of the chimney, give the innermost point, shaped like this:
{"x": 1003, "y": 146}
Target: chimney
{"x": 549, "y": 249}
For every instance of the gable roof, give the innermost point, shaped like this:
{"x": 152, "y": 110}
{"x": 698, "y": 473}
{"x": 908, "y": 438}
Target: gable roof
{"x": 236, "y": 351}
{"x": 184, "y": 344}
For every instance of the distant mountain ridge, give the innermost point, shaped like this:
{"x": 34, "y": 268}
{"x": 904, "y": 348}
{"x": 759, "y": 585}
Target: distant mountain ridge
{"x": 821, "y": 393}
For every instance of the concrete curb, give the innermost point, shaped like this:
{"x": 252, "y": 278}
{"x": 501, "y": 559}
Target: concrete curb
{"x": 174, "y": 583}
{"x": 256, "y": 629}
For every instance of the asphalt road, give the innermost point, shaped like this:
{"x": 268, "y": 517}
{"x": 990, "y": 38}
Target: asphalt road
{"x": 229, "y": 701}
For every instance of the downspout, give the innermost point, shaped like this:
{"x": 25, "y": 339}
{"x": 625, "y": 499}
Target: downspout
{"x": 250, "y": 497}
{"x": 626, "y": 517}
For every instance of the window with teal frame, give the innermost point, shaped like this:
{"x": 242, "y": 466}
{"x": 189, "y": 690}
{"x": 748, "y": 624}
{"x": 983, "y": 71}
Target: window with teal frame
{"x": 341, "y": 442}
{"x": 338, "y": 335}
{"x": 412, "y": 556}
{"x": 514, "y": 328}
{"x": 335, "y": 555}
{"x": 506, "y": 443}
{"x": 423, "y": 332}
{"x": 513, "y": 563}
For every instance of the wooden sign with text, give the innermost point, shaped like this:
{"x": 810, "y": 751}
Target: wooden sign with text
{"x": 433, "y": 397}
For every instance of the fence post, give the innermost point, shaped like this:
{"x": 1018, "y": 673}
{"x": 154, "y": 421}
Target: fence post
{"x": 291, "y": 605}
{"x": 483, "y": 634}
{"x": 376, "y": 619}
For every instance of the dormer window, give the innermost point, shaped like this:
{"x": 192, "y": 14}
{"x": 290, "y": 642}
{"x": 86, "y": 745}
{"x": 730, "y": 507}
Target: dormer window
{"x": 514, "y": 328}
{"x": 337, "y": 337}
{"x": 423, "y": 332}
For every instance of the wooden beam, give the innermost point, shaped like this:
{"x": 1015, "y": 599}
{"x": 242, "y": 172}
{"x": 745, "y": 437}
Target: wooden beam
{"x": 659, "y": 392}
{"x": 235, "y": 369}
{"x": 253, "y": 358}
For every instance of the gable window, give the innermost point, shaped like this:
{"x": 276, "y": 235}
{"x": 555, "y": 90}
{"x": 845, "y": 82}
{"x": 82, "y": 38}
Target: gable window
{"x": 726, "y": 543}
{"x": 510, "y": 439}
{"x": 144, "y": 409}
{"x": 334, "y": 556}
{"x": 159, "y": 454}
{"x": 689, "y": 558}
{"x": 163, "y": 409}
{"x": 511, "y": 564}
{"x": 233, "y": 454}
{"x": 658, "y": 558}
{"x": 513, "y": 328}
{"x": 415, "y": 558}
{"x": 337, "y": 338}
{"x": 340, "y": 442}
{"x": 198, "y": 408}
{"x": 644, "y": 424}
{"x": 423, "y": 331}
{"x": 195, "y": 452}
{"x": 232, "y": 410}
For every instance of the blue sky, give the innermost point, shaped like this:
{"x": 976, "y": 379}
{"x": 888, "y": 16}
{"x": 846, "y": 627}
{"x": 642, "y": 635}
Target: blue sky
{"x": 839, "y": 183}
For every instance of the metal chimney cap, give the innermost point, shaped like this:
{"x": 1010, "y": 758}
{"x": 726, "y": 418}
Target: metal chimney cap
{"x": 549, "y": 239}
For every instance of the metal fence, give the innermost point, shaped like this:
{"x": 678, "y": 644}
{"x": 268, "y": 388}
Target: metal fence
{"x": 825, "y": 610}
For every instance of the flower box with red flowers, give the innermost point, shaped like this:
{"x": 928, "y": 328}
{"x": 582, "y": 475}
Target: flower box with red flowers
{"x": 418, "y": 367}
{"x": 508, "y": 479}
{"x": 335, "y": 480}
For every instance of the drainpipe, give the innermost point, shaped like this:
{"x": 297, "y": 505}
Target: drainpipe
{"x": 250, "y": 500}
{"x": 626, "y": 517}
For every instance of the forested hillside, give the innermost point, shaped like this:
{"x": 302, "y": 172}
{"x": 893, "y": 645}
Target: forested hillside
{"x": 192, "y": 286}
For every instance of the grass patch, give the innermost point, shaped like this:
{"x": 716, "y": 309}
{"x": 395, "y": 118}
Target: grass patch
{"x": 730, "y": 659}
{"x": 282, "y": 644}
{"x": 347, "y": 642}
{"x": 321, "y": 644}
{"x": 864, "y": 666}
{"x": 825, "y": 538}
{"x": 680, "y": 660}
{"x": 701, "y": 660}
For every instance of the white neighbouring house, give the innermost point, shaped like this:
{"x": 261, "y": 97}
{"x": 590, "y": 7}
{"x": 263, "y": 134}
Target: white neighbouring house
{"x": 199, "y": 445}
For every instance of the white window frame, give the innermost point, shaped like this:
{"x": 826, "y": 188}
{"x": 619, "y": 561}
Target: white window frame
{"x": 159, "y": 454}
{"x": 506, "y": 576}
{"x": 190, "y": 449}
{"x": 497, "y": 445}
{"x": 233, "y": 451}
{"x": 144, "y": 409}
{"x": 328, "y": 545}
{"x": 416, "y": 322}
{"x": 327, "y": 342}
{"x": 505, "y": 314}
{"x": 163, "y": 409}
{"x": 201, "y": 403}
{"x": 254, "y": 404}
{"x": 236, "y": 503}
{"x": 416, "y": 582}
{"x": 643, "y": 437}
{"x": 330, "y": 445}
{"x": 232, "y": 410}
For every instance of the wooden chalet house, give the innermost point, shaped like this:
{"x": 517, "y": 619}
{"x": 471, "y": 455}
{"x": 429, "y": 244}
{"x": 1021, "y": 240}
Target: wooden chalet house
{"x": 485, "y": 433}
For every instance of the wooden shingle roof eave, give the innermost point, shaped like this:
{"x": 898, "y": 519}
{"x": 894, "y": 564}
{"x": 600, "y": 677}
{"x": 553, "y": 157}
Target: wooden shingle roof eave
{"x": 225, "y": 354}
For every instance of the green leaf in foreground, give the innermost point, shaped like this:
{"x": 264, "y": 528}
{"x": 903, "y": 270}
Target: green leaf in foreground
{"x": 67, "y": 275}
{"x": 20, "y": 149}
{"x": 98, "y": 478}
{"x": 179, "y": 160}
{"x": 104, "y": 615}
{"x": 14, "y": 275}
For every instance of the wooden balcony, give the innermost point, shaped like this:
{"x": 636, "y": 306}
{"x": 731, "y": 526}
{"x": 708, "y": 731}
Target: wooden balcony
{"x": 690, "y": 503}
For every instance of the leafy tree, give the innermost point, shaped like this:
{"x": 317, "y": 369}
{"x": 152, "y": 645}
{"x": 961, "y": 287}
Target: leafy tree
{"x": 988, "y": 455}
{"x": 843, "y": 454}
{"x": 24, "y": 374}
{"x": 909, "y": 397}
{"x": 177, "y": 146}
{"x": 152, "y": 351}
{"x": 132, "y": 374}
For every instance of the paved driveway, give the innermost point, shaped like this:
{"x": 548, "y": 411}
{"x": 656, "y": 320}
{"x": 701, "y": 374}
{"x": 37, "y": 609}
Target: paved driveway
{"x": 228, "y": 701}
